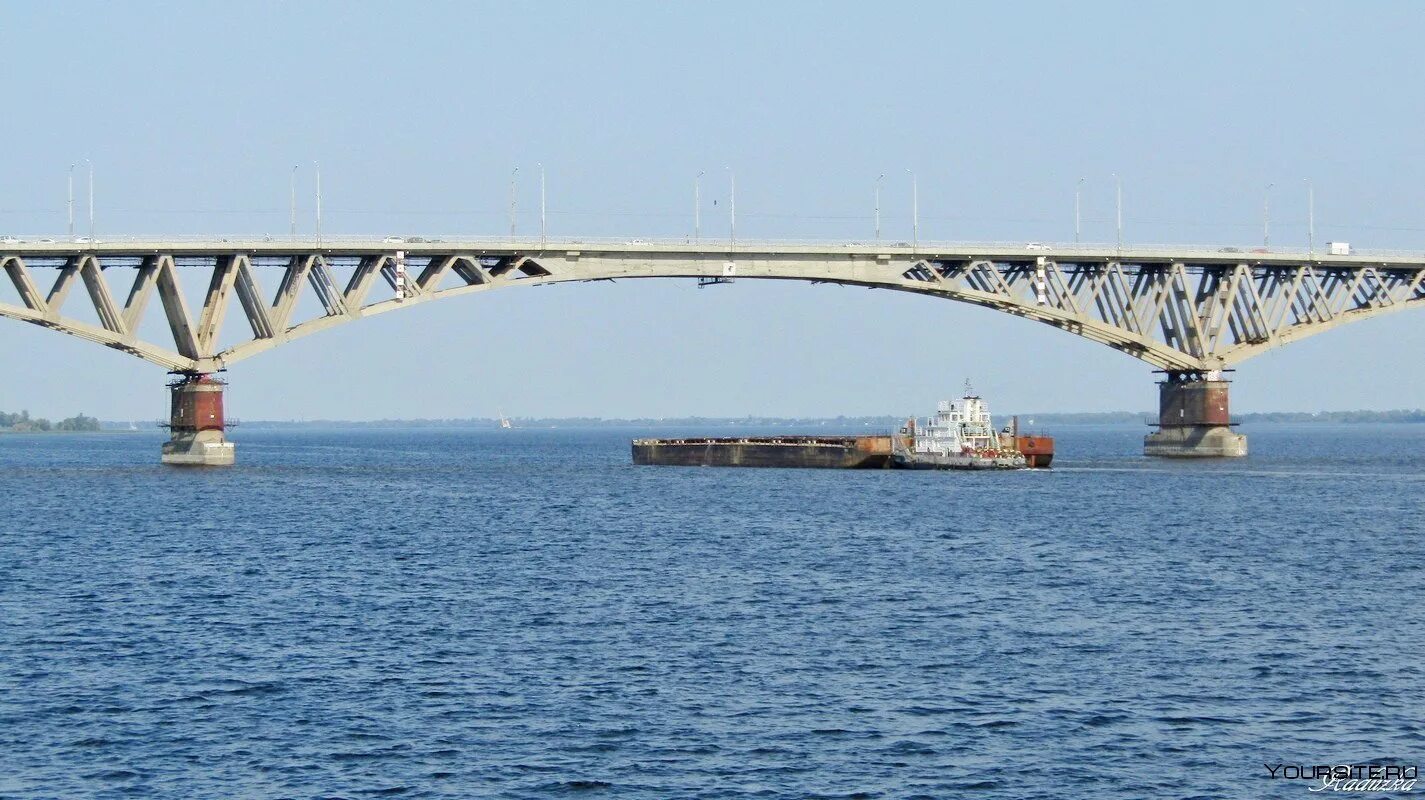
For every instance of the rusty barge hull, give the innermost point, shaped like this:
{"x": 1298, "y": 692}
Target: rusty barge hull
{"x": 817, "y": 452}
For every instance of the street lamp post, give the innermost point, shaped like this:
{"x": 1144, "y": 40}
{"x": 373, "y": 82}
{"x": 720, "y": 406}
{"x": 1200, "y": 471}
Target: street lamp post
{"x": 318, "y": 167}
{"x": 1118, "y": 202}
{"x": 879, "y": 178}
{"x": 90, "y": 164}
{"x": 71, "y": 202}
{"x": 292, "y": 211}
{"x": 513, "y": 173}
{"x": 1267, "y": 215}
{"x": 541, "y": 204}
{"x": 1310, "y": 218}
{"x": 914, "y": 212}
{"x": 1078, "y": 193}
{"x": 697, "y": 206}
{"x": 732, "y": 208}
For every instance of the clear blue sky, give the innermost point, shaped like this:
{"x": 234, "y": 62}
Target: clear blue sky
{"x": 193, "y": 115}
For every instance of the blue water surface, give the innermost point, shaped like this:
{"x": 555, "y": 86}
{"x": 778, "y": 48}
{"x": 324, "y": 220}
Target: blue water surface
{"x": 462, "y": 613}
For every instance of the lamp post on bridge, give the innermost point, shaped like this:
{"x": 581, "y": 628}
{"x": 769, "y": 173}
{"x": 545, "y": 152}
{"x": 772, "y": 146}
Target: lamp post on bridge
{"x": 697, "y": 206}
{"x": 90, "y": 164}
{"x": 318, "y": 167}
{"x": 541, "y": 204}
{"x": 1310, "y": 218}
{"x": 71, "y": 202}
{"x": 292, "y": 211}
{"x": 513, "y": 173}
{"x": 1078, "y": 191}
{"x": 1267, "y": 215}
{"x": 914, "y": 212}
{"x": 1118, "y": 195}
{"x": 732, "y": 208}
{"x": 879, "y": 178}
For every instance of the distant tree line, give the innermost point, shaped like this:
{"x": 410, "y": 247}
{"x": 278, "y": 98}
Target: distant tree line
{"x": 1398, "y": 415}
{"x": 22, "y": 422}
{"x": 842, "y": 422}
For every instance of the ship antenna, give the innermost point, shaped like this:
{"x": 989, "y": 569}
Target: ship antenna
{"x": 969, "y": 390}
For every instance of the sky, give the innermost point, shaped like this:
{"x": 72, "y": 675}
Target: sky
{"x": 193, "y": 115}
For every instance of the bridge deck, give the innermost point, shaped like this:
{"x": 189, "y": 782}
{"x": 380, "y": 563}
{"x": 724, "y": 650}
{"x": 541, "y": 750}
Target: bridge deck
{"x": 39, "y": 246}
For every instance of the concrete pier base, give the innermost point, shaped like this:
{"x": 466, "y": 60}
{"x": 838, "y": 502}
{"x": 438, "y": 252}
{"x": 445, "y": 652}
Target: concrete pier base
{"x": 202, "y": 449}
{"x": 1195, "y": 442}
{"x": 197, "y": 423}
{"x": 1193, "y": 419}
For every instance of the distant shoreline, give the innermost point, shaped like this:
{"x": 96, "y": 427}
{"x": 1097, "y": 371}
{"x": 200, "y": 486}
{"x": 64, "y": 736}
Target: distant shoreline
{"x": 1038, "y": 420}
{"x": 125, "y": 429}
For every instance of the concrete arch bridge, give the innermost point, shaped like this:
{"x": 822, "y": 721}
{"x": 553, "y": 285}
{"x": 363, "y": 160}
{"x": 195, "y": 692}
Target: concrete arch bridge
{"x": 1190, "y": 312}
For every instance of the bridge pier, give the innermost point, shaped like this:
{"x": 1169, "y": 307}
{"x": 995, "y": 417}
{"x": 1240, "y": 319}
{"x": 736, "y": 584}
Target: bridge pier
{"x": 1193, "y": 420}
{"x": 196, "y": 423}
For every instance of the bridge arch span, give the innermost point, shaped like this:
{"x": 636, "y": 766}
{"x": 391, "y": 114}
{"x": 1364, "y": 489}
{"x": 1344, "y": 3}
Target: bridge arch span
{"x": 1169, "y": 310}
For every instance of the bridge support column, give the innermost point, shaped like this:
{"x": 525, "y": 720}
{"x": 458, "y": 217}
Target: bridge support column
{"x": 1193, "y": 421}
{"x": 196, "y": 422}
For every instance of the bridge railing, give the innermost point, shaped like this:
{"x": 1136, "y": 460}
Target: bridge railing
{"x": 336, "y": 241}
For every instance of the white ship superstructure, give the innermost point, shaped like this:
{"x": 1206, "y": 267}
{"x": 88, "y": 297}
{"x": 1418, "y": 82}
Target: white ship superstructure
{"x": 957, "y": 428}
{"x": 960, "y": 435}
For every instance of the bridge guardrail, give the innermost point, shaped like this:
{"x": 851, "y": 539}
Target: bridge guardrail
{"x": 1047, "y": 249}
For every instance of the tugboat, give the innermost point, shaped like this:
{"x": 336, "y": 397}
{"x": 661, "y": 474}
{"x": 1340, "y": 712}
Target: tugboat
{"x": 959, "y": 436}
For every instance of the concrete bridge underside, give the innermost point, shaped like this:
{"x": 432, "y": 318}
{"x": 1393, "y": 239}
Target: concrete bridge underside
{"x": 1188, "y": 312}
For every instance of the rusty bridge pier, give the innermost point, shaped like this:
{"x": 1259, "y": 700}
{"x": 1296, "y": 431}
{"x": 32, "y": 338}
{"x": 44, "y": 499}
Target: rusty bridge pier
{"x": 1193, "y": 418}
{"x": 196, "y": 422}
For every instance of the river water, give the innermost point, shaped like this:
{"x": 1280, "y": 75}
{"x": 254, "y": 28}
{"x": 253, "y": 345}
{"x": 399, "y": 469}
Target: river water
{"x": 459, "y": 613}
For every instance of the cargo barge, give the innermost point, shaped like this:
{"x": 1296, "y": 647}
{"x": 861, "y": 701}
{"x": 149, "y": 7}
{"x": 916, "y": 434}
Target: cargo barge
{"x": 959, "y": 436}
{"x": 826, "y": 452}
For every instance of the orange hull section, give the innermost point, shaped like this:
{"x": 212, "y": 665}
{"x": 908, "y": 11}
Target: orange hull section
{"x": 1037, "y": 450}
